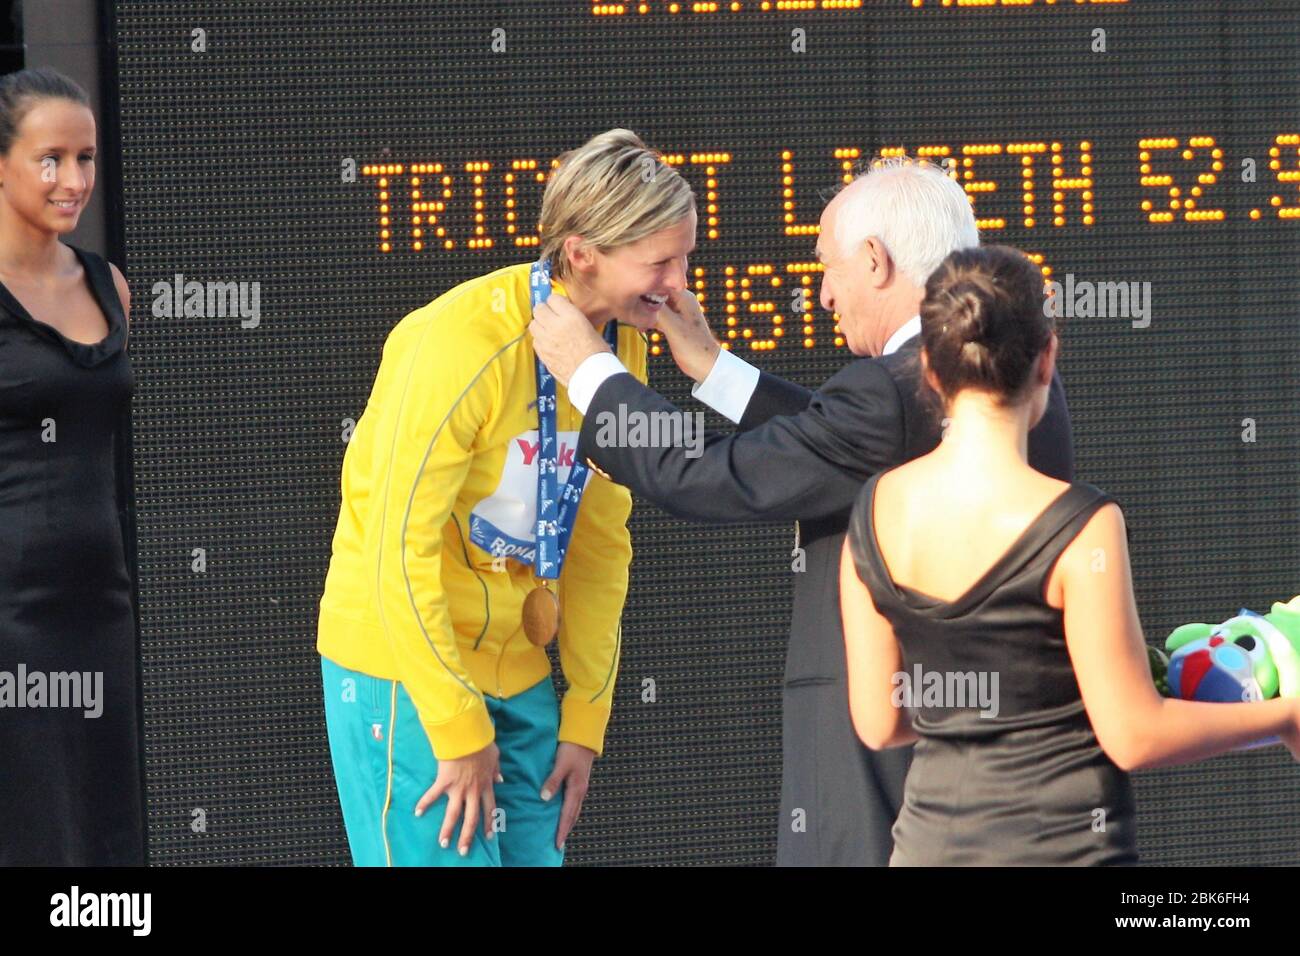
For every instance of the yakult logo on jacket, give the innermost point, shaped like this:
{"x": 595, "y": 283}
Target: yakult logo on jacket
{"x": 530, "y": 448}
{"x": 504, "y": 523}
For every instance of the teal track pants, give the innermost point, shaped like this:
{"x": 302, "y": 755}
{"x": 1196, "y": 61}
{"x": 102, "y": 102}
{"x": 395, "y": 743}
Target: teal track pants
{"x": 384, "y": 764}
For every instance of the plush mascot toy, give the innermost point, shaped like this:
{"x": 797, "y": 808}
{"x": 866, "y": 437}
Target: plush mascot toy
{"x": 1247, "y": 657}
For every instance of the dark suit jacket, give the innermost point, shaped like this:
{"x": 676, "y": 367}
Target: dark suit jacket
{"x": 802, "y": 456}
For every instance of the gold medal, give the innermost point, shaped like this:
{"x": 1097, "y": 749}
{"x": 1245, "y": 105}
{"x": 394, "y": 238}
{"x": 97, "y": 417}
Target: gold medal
{"x": 541, "y": 615}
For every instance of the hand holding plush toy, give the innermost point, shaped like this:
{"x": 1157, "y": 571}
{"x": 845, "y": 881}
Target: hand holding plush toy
{"x": 1247, "y": 657}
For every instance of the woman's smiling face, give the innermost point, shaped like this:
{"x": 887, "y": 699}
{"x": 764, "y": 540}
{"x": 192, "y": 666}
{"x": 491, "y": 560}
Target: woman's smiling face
{"x": 49, "y": 172}
{"x": 632, "y": 281}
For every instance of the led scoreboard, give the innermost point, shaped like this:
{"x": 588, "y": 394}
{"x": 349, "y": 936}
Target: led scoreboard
{"x": 802, "y": 6}
{"x": 1038, "y": 182}
{"x": 487, "y": 202}
{"x": 359, "y": 159}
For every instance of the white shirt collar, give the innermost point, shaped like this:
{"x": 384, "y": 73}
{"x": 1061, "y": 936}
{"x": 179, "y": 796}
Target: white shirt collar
{"x": 904, "y": 332}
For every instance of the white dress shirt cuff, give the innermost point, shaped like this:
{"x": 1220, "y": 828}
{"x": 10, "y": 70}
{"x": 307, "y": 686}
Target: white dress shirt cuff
{"x": 729, "y": 386}
{"x": 589, "y": 376}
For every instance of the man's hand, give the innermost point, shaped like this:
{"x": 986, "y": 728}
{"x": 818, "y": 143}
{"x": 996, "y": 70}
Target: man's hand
{"x": 563, "y": 337}
{"x": 573, "y": 772}
{"x": 687, "y": 331}
{"x": 467, "y": 781}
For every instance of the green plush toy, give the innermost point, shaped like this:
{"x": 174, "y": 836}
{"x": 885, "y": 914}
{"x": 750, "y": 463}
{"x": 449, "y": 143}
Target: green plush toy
{"x": 1247, "y": 657}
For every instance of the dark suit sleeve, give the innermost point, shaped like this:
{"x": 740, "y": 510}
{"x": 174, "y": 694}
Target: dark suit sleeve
{"x": 773, "y": 396}
{"x": 804, "y": 466}
{"x": 1051, "y": 444}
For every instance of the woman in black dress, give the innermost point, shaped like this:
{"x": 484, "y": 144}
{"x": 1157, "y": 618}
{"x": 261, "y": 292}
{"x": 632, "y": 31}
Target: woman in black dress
{"x": 70, "y": 780}
{"x": 989, "y": 613}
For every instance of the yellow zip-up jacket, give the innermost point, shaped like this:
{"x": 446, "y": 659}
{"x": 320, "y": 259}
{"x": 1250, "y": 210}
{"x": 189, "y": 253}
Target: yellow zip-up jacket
{"x": 439, "y": 490}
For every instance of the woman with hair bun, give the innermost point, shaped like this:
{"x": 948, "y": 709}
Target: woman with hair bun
{"x": 989, "y": 613}
{"x": 70, "y": 765}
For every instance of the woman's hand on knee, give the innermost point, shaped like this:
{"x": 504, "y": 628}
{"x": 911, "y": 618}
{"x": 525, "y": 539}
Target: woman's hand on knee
{"x": 572, "y": 773}
{"x": 467, "y": 782}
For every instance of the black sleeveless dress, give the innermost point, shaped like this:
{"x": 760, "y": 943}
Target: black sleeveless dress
{"x": 70, "y": 782}
{"x": 1027, "y": 785}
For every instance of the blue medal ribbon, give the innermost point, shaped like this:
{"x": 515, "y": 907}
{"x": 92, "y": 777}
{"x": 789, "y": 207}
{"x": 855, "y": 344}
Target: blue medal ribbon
{"x": 556, "y": 513}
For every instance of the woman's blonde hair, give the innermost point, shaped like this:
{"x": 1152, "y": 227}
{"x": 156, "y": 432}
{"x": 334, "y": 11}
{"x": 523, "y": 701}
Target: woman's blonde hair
{"x": 613, "y": 190}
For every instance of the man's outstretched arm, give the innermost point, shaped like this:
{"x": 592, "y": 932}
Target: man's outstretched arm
{"x": 733, "y": 388}
{"x": 723, "y": 380}
{"x": 791, "y": 467}
{"x": 773, "y": 396}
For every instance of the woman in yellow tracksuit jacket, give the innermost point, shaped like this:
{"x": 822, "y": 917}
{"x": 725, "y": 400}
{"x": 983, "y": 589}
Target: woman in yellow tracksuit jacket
{"x": 424, "y": 659}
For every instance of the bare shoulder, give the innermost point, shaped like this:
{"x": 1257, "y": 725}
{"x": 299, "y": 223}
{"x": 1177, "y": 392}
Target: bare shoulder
{"x": 1103, "y": 535}
{"x": 911, "y": 472}
{"x": 1100, "y": 543}
{"x": 1054, "y": 485}
{"x": 909, "y": 476}
{"x": 1044, "y": 491}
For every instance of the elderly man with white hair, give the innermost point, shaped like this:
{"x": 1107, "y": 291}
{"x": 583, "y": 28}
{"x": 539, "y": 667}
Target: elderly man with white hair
{"x": 803, "y": 456}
